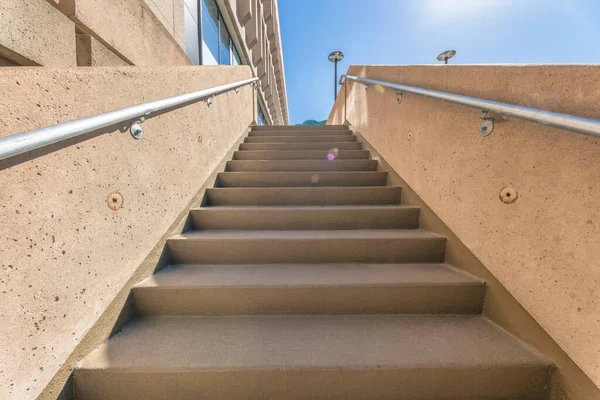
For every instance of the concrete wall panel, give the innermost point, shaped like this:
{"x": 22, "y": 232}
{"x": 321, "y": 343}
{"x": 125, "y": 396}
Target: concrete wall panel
{"x": 544, "y": 247}
{"x": 64, "y": 254}
{"x": 92, "y": 53}
{"x": 32, "y": 32}
{"x": 140, "y": 31}
{"x": 170, "y": 14}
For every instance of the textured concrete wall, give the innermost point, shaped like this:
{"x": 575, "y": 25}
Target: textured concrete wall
{"x": 170, "y": 14}
{"x": 138, "y": 30}
{"x": 64, "y": 254}
{"x": 544, "y": 247}
{"x": 92, "y": 53}
{"x": 32, "y": 32}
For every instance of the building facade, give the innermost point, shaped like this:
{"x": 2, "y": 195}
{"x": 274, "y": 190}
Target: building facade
{"x": 151, "y": 33}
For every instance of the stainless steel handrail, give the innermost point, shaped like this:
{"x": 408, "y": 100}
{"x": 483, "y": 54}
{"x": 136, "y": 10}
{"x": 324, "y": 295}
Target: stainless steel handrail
{"x": 31, "y": 140}
{"x": 585, "y": 126}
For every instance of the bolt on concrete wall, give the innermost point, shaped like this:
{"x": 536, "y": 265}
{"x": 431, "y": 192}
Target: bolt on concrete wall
{"x": 543, "y": 246}
{"x": 79, "y": 218}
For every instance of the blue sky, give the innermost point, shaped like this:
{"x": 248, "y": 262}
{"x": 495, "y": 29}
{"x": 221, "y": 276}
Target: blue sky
{"x": 416, "y": 31}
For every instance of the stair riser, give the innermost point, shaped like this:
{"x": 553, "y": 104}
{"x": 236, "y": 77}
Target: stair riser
{"x": 277, "y": 219}
{"x": 496, "y": 382}
{"x": 299, "y": 155}
{"x": 301, "y": 139}
{"x": 393, "y": 299}
{"x": 300, "y": 165}
{"x": 335, "y": 132}
{"x": 303, "y": 196}
{"x": 302, "y": 146}
{"x": 257, "y": 251}
{"x": 301, "y": 179}
{"x": 286, "y": 128}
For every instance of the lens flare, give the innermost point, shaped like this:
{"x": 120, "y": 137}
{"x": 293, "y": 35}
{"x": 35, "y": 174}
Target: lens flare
{"x": 333, "y": 154}
{"x": 314, "y": 178}
{"x": 379, "y": 88}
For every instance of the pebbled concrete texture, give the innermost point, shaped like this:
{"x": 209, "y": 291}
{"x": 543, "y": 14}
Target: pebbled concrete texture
{"x": 64, "y": 254}
{"x": 543, "y": 247}
{"x": 133, "y": 29}
{"x": 170, "y": 14}
{"x": 92, "y": 53}
{"x": 32, "y": 32}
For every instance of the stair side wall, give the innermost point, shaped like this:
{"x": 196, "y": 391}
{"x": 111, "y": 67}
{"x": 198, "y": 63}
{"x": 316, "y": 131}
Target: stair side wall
{"x": 542, "y": 248}
{"x": 65, "y": 254}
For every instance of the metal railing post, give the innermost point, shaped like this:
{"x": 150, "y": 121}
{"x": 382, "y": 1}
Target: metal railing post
{"x": 345, "y": 101}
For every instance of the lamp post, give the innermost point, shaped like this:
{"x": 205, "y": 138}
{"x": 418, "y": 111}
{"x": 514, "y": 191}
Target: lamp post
{"x": 445, "y": 56}
{"x": 334, "y": 57}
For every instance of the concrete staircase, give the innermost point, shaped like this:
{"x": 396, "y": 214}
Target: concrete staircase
{"x": 306, "y": 278}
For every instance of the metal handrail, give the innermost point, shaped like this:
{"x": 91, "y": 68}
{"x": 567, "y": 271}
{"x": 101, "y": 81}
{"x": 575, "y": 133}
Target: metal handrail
{"x": 585, "y": 126}
{"x": 31, "y": 140}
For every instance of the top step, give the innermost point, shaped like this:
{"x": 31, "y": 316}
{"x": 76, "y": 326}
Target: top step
{"x": 298, "y": 132}
{"x": 299, "y": 127}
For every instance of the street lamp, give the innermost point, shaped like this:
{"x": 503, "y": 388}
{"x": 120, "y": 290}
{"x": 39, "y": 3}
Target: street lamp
{"x": 334, "y": 57}
{"x": 445, "y": 56}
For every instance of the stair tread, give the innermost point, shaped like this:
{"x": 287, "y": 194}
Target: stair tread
{"x": 309, "y": 208}
{"x": 298, "y": 154}
{"x": 290, "y": 165}
{"x": 317, "y": 137}
{"x": 303, "y": 275}
{"x": 304, "y": 195}
{"x": 305, "y": 217}
{"x": 295, "y": 130}
{"x": 301, "y": 178}
{"x": 363, "y": 234}
{"x": 302, "y": 173}
{"x": 297, "y": 127}
{"x": 309, "y": 342}
{"x": 300, "y": 138}
{"x": 301, "y": 146}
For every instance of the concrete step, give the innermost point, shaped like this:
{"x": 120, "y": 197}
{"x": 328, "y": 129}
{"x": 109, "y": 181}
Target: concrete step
{"x": 301, "y": 179}
{"x": 302, "y": 146}
{"x": 316, "y": 246}
{"x": 301, "y": 165}
{"x": 305, "y": 217}
{"x": 309, "y": 289}
{"x": 331, "y": 357}
{"x": 323, "y": 196}
{"x": 303, "y": 129}
{"x": 266, "y": 134}
{"x": 299, "y": 139}
{"x": 298, "y": 154}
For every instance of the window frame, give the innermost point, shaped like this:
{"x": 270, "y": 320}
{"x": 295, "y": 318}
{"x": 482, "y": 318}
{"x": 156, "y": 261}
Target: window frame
{"x": 220, "y": 23}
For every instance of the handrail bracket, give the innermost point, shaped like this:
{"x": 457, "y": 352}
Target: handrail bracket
{"x": 487, "y": 126}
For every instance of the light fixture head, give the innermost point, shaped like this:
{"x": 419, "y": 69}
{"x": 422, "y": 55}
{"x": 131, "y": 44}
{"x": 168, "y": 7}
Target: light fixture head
{"x": 445, "y": 56}
{"x": 336, "y": 56}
